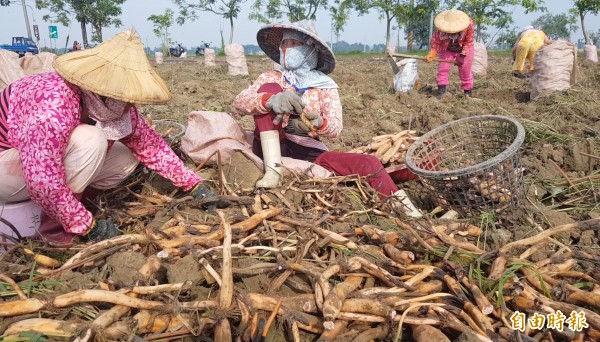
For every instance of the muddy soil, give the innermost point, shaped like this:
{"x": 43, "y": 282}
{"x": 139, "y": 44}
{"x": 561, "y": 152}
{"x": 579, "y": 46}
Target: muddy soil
{"x": 371, "y": 108}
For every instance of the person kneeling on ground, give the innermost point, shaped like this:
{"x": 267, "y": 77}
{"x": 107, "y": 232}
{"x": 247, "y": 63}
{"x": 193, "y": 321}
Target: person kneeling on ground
{"x": 78, "y": 129}
{"x": 453, "y": 40}
{"x": 301, "y": 92}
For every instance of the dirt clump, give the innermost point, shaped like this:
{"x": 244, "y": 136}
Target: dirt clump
{"x": 72, "y": 281}
{"x": 123, "y": 267}
{"x": 186, "y": 269}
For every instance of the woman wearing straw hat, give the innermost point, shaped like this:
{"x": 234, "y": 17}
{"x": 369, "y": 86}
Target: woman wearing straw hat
{"x": 51, "y": 151}
{"x": 301, "y": 89}
{"x": 528, "y": 43}
{"x": 453, "y": 40}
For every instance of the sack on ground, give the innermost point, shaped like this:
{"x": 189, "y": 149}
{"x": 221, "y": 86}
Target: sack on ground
{"x": 480, "y": 62}
{"x": 208, "y": 132}
{"x": 209, "y": 57}
{"x": 10, "y": 69}
{"x": 158, "y": 57}
{"x": 553, "y": 65}
{"x": 13, "y": 68}
{"x": 408, "y": 77}
{"x": 37, "y": 64}
{"x": 591, "y": 53}
{"x": 236, "y": 60}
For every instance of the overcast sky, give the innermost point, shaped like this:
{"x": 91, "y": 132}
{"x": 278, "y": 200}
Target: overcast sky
{"x": 367, "y": 29}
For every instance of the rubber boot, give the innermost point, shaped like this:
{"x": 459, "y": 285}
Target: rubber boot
{"x": 468, "y": 93}
{"x": 441, "y": 92}
{"x": 52, "y": 232}
{"x": 406, "y": 205}
{"x": 271, "y": 150}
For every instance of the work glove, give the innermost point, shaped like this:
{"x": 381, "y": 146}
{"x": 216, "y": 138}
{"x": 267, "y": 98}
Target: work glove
{"x": 202, "y": 192}
{"x": 311, "y": 123}
{"x": 101, "y": 230}
{"x": 431, "y": 56}
{"x": 285, "y": 102}
{"x": 460, "y": 60}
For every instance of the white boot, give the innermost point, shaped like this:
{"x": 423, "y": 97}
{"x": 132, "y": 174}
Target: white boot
{"x": 272, "y": 159}
{"x": 406, "y": 204}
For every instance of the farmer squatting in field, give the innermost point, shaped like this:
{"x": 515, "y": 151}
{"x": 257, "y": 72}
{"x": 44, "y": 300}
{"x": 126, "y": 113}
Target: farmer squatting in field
{"x": 51, "y": 151}
{"x": 301, "y": 91}
{"x": 453, "y": 40}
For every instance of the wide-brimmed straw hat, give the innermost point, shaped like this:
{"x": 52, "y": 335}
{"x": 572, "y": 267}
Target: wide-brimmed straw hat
{"x": 452, "y": 21}
{"x": 269, "y": 39}
{"x": 118, "y": 68}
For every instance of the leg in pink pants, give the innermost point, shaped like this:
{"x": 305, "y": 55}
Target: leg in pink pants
{"x": 344, "y": 164}
{"x": 464, "y": 70}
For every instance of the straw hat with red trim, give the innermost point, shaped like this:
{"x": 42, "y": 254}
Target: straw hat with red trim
{"x": 269, "y": 39}
{"x": 452, "y": 21}
{"x": 118, "y": 68}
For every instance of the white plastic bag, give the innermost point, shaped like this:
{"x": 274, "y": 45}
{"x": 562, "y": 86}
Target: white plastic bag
{"x": 591, "y": 53}
{"x": 158, "y": 57}
{"x": 209, "y": 57}
{"x": 236, "y": 60}
{"x": 408, "y": 77}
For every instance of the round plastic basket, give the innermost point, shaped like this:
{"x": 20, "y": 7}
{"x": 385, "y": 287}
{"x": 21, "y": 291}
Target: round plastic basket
{"x": 171, "y": 131}
{"x": 472, "y": 164}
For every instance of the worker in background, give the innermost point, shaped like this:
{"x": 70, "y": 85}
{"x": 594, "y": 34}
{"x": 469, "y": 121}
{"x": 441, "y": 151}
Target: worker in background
{"x": 528, "y": 43}
{"x": 453, "y": 40}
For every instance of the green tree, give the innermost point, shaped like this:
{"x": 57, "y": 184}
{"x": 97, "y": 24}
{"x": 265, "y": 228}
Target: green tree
{"x": 495, "y": 12}
{"x": 339, "y": 12}
{"x": 266, "y": 11}
{"x": 228, "y": 9}
{"x": 595, "y": 37}
{"x": 162, "y": 23}
{"x": 583, "y": 7}
{"x": 556, "y": 25}
{"x": 98, "y": 13}
{"x": 508, "y": 37}
{"x": 103, "y": 13}
{"x": 416, "y": 19}
{"x": 387, "y": 9}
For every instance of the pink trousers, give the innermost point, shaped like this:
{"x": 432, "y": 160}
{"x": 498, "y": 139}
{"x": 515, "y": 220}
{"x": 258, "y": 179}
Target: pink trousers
{"x": 341, "y": 164}
{"x": 464, "y": 70}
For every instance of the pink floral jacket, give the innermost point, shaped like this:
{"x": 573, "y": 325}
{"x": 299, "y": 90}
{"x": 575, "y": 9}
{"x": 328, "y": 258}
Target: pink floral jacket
{"x": 44, "y": 110}
{"x": 441, "y": 40}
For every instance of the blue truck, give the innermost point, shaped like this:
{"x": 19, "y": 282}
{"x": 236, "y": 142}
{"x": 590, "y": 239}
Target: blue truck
{"x": 21, "y": 45}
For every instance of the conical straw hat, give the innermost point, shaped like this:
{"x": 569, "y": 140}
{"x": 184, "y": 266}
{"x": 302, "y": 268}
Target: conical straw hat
{"x": 269, "y": 38}
{"x": 118, "y": 68}
{"x": 452, "y": 21}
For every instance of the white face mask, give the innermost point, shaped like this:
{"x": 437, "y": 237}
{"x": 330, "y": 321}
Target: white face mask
{"x": 293, "y": 58}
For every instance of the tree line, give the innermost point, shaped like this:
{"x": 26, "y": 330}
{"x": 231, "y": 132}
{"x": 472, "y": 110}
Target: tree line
{"x": 412, "y": 16}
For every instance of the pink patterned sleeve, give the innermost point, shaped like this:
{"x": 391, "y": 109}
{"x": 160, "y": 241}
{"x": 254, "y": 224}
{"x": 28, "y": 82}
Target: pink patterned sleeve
{"x": 249, "y": 102}
{"x": 468, "y": 40}
{"x": 50, "y": 111}
{"x": 154, "y": 152}
{"x": 434, "y": 44}
{"x": 327, "y": 103}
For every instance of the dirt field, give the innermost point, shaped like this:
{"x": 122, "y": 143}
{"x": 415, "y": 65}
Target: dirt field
{"x": 562, "y": 130}
{"x": 297, "y": 250}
